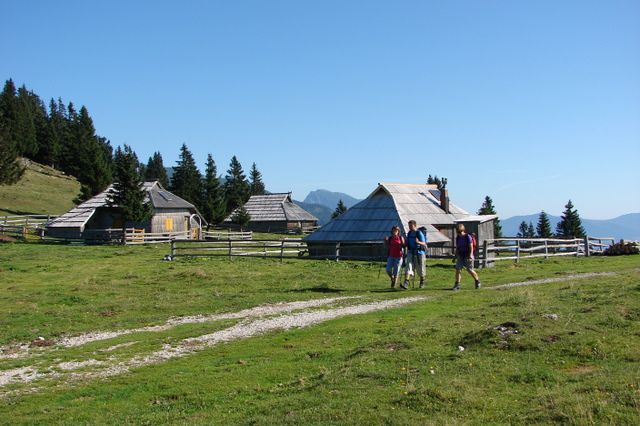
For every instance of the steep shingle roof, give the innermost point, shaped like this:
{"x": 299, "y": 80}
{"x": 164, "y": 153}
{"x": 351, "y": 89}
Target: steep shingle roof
{"x": 388, "y": 205}
{"x": 275, "y": 208}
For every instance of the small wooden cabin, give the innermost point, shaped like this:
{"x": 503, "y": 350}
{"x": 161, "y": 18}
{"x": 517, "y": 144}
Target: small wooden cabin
{"x": 94, "y": 218}
{"x": 275, "y": 213}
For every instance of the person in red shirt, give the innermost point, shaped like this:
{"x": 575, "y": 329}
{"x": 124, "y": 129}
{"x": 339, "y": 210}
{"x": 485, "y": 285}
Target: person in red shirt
{"x": 395, "y": 245}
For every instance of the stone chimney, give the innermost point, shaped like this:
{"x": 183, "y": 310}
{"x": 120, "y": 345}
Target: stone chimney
{"x": 444, "y": 200}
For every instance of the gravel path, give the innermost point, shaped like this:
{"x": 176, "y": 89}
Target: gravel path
{"x": 553, "y": 280}
{"x": 23, "y": 350}
{"x": 243, "y": 330}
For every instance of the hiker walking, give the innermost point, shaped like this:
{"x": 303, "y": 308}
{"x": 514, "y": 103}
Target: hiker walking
{"x": 395, "y": 246}
{"x": 416, "y": 254}
{"x": 465, "y": 246}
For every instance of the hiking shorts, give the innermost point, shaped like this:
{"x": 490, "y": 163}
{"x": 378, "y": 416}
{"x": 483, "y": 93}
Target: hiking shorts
{"x": 464, "y": 263}
{"x": 416, "y": 262}
{"x": 393, "y": 266}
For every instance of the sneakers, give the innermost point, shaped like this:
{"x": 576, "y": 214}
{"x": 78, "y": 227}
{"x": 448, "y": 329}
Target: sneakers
{"x": 405, "y": 285}
{"x": 478, "y": 285}
{"x": 421, "y": 284}
{"x": 456, "y": 287}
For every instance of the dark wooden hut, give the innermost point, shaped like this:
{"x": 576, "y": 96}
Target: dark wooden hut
{"x": 275, "y": 213}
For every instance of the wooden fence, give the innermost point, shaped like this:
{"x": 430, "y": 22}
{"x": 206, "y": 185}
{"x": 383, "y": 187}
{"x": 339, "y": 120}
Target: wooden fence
{"x": 517, "y": 248}
{"x": 228, "y": 234}
{"x": 284, "y": 248}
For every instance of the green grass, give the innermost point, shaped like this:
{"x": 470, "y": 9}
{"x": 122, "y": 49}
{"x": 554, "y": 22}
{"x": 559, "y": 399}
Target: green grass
{"x": 370, "y": 369}
{"x": 41, "y": 190}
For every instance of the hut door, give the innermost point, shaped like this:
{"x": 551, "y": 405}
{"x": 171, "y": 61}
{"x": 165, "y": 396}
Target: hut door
{"x": 195, "y": 226}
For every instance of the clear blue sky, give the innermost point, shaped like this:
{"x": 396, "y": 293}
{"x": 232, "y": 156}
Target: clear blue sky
{"x": 530, "y": 102}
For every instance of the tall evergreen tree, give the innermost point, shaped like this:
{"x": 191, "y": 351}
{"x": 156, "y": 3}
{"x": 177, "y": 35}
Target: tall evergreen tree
{"x": 187, "y": 179}
{"x": 9, "y": 114}
{"x": 214, "y": 206}
{"x": 543, "y": 227}
{"x": 531, "y": 231}
{"x": 155, "y": 170}
{"x": 256, "y": 186}
{"x": 488, "y": 208}
{"x": 93, "y": 156}
{"x": 128, "y": 194}
{"x": 340, "y": 209}
{"x": 10, "y": 168}
{"x": 570, "y": 225}
{"x": 26, "y": 129}
{"x": 523, "y": 230}
{"x": 236, "y": 186}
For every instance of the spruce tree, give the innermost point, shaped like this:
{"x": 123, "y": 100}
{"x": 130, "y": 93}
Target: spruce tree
{"x": 523, "y": 230}
{"x": 241, "y": 217}
{"x": 128, "y": 194}
{"x": 236, "y": 186}
{"x": 187, "y": 179}
{"x": 93, "y": 156}
{"x": 155, "y": 170}
{"x": 488, "y": 208}
{"x": 9, "y": 114}
{"x": 10, "y": 168}
{"x": 531, "y": 231}
{"x": 27, "y": 141}
{"x": 340, "y": 209}
{"x": 256, "y": 186}
{"x": 570, "y": 225}
{"x": 434, "y": 180}
{"x": 543, "y": 227}
{"x": 214, "y": 207}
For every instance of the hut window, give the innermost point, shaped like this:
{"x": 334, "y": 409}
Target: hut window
{"x": 168, "y": 224}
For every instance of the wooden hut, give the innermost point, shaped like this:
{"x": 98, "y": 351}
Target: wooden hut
{"x": 95, "y": 220}
{"x": 392, "y": 204}
{"x": 275, "y": 213}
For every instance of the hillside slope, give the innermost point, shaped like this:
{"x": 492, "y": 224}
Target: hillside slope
{"x": 42, "y": 190}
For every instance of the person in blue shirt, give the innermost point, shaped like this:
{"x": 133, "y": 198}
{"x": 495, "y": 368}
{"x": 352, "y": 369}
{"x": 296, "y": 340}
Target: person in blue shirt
{"x": 416, "y": 254}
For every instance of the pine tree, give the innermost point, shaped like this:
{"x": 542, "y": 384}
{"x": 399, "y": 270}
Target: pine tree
{"x": 10, "y": 168}
{"x": 523, "y": 230}
{"x": 9, "y": 114}
{"x": 236, "y": 186}
{"x": 128, "y": 194}
{"x": 488, "y": 208}
{"x": 340, "y": 209}
{"x": 531, "y": 231}
{"x": 434, "y": 180}
{"x": 543, "y": 227}
{"x": 93, "y": 156}
{"x": 570, "y": 225}
{"x": 187, "y": 179}
{"x": 27, "y": 141}
{"x": 155, "y": 170}
{"x": 241, "y": 217}
{"x": 256, "y": 186}
{"x": 214, "y": 207}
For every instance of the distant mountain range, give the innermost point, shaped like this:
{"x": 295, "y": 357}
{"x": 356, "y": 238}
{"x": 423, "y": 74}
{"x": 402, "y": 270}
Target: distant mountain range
{"x": 330, "y": 199}
{"x": 622, "y": 227}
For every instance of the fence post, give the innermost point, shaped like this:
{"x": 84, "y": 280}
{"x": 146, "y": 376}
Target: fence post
{"x": 173, "y": 248}
{"x": 546, "y": 249}
{"x": 485, "y": 245}
{"x": 281, "y": 249}
{"x": 517, "y": 251}
{"x": 577, "y": 242}
{"x": 337, "y": 251}
{"x": 229, "y": 248}
{"x": 587, "y": 249}
{"x": 264, "y": 247}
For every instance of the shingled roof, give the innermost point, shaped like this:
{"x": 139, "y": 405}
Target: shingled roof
{"x": 277, "y": 207}
{"x": 78, "y": 216}
{"x": 388, "y": 205}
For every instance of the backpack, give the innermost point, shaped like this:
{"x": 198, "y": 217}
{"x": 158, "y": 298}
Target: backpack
{"x": 423, "y": 229}
{"x": 473, "y": 243}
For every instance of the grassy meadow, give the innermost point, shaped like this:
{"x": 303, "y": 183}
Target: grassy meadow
{"x": 399, "y": 366}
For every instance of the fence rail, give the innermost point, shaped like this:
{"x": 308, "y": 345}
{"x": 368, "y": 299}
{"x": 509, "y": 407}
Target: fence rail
{"x": 225, "y": 235}
{"x": 284, "y": 248}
